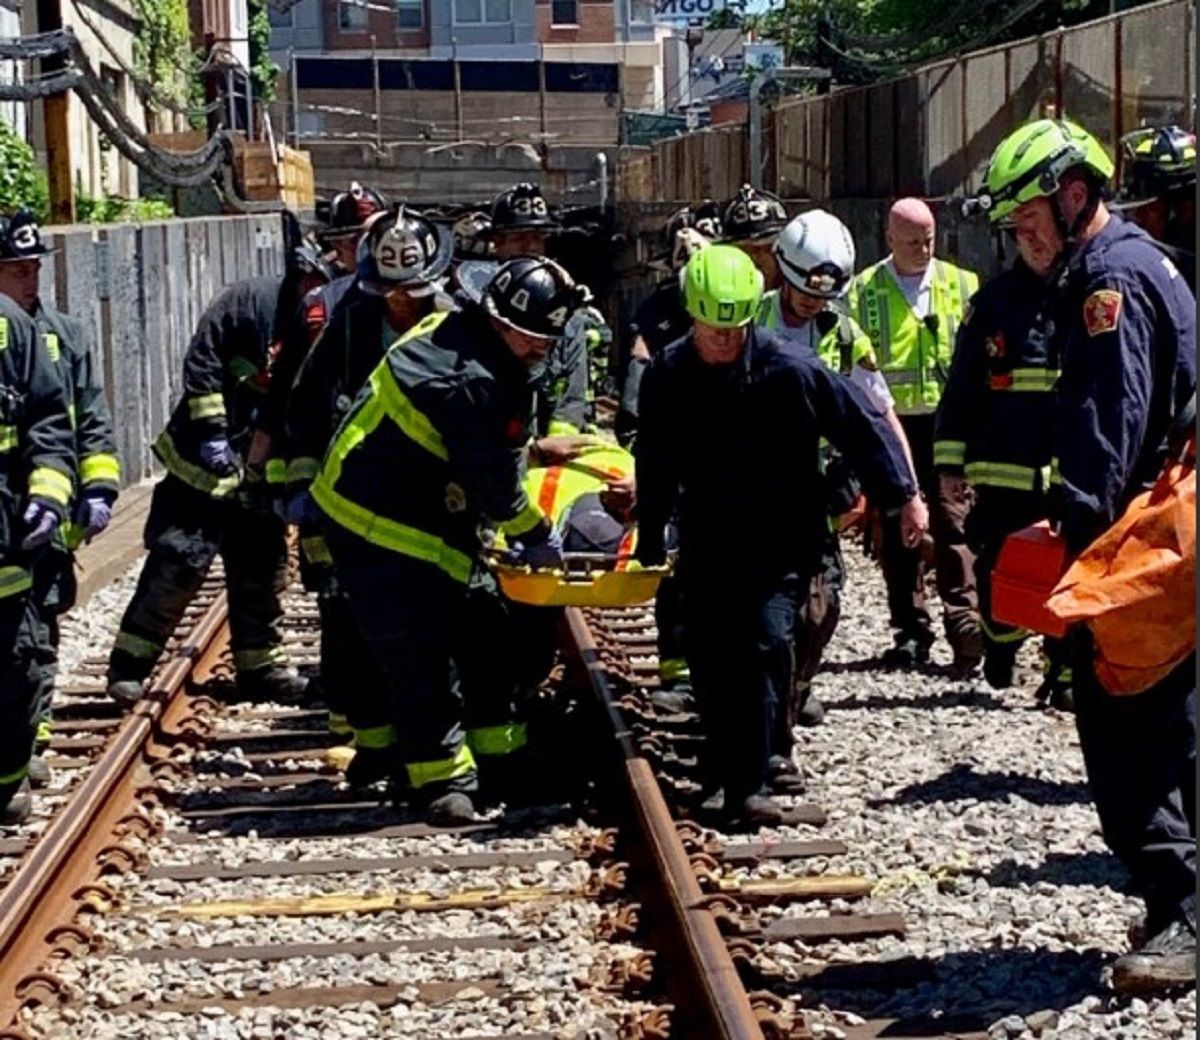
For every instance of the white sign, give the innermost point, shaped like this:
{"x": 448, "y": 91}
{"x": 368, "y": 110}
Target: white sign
{"x": 686, "y": 10}
{"x": 763, "y": 56}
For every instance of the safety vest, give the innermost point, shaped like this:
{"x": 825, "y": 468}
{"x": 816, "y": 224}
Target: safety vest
{"x": 841, "y": 348}
{"x": 913, "y": 357}
{"x": 388, "y": 476}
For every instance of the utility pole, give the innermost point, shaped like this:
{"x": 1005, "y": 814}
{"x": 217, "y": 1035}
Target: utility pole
{"x": 55, "y": 114}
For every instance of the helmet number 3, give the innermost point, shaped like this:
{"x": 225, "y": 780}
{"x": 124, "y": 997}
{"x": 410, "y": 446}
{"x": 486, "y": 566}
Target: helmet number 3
{"x": 527, "y": 206}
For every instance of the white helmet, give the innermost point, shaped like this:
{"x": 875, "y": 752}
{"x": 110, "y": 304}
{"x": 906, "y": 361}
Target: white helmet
{"x": 816, "y": 254}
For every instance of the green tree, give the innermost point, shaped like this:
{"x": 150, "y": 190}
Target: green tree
{"x": 263, "y": 70}
{"x": 162, "y": 53}
{"x": 21, "y": 182}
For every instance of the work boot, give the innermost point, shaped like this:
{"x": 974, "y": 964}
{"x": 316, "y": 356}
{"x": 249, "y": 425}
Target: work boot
{"x": 999, "y": 664}
{"x": 674, "y": 701}
{"x": 509, "y": 778}
{"x": 911, "y": 650}
{"x": 760, "y": 810}
{"x": 812, "y": 711}
{"x": 1054, "y": 693}
{"x": 16, "y": 803}
{"x": 126, "y": 692}
{"x": 369, "y": 766}
{"x": 451, "y": 809}
{"x": 283, "y": 685}
{"x": 712, "y": 801}
{"x": 39, "y": 772}
{"x": 1167, "y": 962}
{"x": 784, "y": 775}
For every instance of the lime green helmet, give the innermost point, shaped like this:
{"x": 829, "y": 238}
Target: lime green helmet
{"x": 1029, "y": 164}
{"x": 722, "y": 287}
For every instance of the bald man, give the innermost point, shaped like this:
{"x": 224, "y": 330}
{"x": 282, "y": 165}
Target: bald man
{"x": 911, "y": 304}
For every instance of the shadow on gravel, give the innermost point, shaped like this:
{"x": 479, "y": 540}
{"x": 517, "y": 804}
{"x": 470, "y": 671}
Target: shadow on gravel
{"x": 1101, "y": 869}
{"x": 958, "y": 992}
{"x": 926, "y": 701}
{"x": 962, "y": 782}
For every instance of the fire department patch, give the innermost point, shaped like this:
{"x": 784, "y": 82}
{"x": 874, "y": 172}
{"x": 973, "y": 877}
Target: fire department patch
{"x": 1102, "y": 311}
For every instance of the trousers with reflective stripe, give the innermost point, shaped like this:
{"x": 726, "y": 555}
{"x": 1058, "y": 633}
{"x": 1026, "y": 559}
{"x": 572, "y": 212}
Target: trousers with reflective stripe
{"x": 185, "y": 530}
{"x": 410, "y": 617}
{"x": 19, "y": 673}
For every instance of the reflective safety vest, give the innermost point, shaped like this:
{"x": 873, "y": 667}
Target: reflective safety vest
{"x": 912, "y": 358}
{"x": 432, "y": 445}
{"x": 841, "y": 348}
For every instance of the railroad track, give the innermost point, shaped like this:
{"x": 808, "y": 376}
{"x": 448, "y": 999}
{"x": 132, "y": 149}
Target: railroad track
{"x": 204, "y": 874}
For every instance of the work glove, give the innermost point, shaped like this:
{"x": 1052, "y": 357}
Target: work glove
{"x": 217, "y": 455}
{"x": 42, "y": 522}
{"x": 99, "y": 514}
{"x": 545, "y": 555}
{"x": 301, "y": 509}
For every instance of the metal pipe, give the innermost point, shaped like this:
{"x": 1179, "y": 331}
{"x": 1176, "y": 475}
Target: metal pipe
{"x": 602, "y": 177}
{"x": 295, "y": 80}
{"x": 756, "y": 130}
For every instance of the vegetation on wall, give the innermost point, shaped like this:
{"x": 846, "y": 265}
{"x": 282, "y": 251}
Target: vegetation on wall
{"x": 22, "y": 183}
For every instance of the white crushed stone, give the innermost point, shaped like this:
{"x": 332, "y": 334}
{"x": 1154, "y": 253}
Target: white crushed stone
{"x": 88, "y": 630}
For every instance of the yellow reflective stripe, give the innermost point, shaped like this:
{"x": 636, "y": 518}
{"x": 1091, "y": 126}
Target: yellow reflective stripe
{"x": 136, "y": 646}
{"x": 375, "y": 737}
{"x": 71, "y": 415}
{"x": 3, "y": 334}
{"x": 16, "y": 776}
{"x": 526, "y": 520}
{"x": 497, "y": 740}
{"x": 49, "y": 483}
{"x": 315, "y": 550}
{"x": 339, "y": 724}
{"x": 1035, "y": 380}
{"x": 191, "y": 474}
{"x": 1055, "y": 477}
{"x": 8, "y": 438}
{"x": 561, "y": 428}
{"x": 259, "y": 657}
{"x": 1002, "y": 474}
{"x": 14, "y": 580}
{"x": 100, "y": 467}
{"x": 52, "y": 346}
{"x": 442, "y": 769}
{"x": 71, "y": 534}
{"x": 302, "y": 470}
{"x": 44, "y": 731}
{"x": 949, "y": 453}
{"x": 276, "y": 471}
{"x": 207, "y": 406}
{"x": 672, "y": 669}
{"x": 1012, "y": 635}
{"x": 414, "y": 423}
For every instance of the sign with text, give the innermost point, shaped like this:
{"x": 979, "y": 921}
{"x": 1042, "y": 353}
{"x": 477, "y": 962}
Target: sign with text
{"x": 687, "y": 10}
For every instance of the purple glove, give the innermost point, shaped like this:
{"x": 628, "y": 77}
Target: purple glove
{"x": 545, "y": 555}
{"x": 99, "y": 514}
{"x": 42, "y": 522}
{"x": 301, "y": 509}
{"x": 216, "y": 455}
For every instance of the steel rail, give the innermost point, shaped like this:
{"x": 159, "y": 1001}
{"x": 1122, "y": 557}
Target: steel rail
{"x": 64, "y": 860}
{"x": 721, "y": 1008}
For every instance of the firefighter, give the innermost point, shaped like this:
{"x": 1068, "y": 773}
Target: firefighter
{"x": 37, "y": 475}
{"x": 719, "y": 408}
{"x": 911, "y": 304}
{"x": 991, "y": 442}
{"x": 98, "y": 478}
{"x": 521, "y": 222}
{"x": 1158, "y": 185}
{"x": 815, "y": 255}
{"x": 750, "y": 221}
{"x": 209, "y": 501}
{"x": 1125, "y": 338}
{"x": 350, "y": 214}
{"x": 432, "y": 446}
{"x": 402, "y": 259}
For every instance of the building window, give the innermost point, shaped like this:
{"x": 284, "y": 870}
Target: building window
{"x": 410, "y": 14}
{"x": 281, "y": 19}
{"x": 564, "y": 12}
{"x": 641, "y": 12}
{"x": 352, "y": 14}
{"x": 479, "y": 12}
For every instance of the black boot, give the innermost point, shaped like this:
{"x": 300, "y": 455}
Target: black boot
{"x": 39, "y": 772}
{"x": 126, "y": 692}
{"x": 911, "y": 650}
{"x": 450, "y": 809}
{"x": 999, "y": 664}
{"x": 1166, "y": 963}
{"x": 16, "y": 803}
{"x": 370, "y": 765}
{"x": 784, "y": 775}
{"x": 275, "y": 683}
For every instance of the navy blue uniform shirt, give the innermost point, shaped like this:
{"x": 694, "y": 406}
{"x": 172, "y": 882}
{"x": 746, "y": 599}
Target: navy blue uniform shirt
{"x": 736, "y": 447}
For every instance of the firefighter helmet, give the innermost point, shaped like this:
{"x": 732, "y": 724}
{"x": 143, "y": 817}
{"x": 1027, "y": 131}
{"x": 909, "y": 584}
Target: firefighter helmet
{"x": 349, "y": 211}
{"x": 722, "y": 287}
{"x": 816, "y": 254}
{"x": 534, "y": 295}
{"x": 521, "y": 206}
{"x": 404, "y": 249}
{"x": 21, "y": 238}
{"x": 1157, "y": 160}
{"x": 752, "y": 214}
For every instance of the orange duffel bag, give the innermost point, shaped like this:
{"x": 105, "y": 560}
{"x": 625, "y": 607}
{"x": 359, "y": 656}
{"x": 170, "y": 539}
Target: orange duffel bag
{"x": 1135, "y": 586}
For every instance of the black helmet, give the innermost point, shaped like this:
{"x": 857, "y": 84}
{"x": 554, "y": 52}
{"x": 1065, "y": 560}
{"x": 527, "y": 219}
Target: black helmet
{"x": 522, "y": 206}
{"x": 21, "y": 238}
{"x": 350, "y": 210}
{"x": 404, "y": 249}
{"x": 753, "y": 214}
{"x": 471, "y": 237}
{"x": 704, "y": 218}
{"x": 533, "y": 294}
{"x": 1157, "y": 160}
{"x": 307, "y": 260}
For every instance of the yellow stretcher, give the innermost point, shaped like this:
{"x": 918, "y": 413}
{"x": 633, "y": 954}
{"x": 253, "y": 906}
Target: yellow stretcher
{"x": 585, "y": 580}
